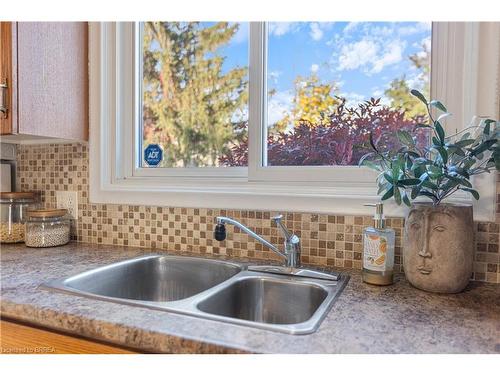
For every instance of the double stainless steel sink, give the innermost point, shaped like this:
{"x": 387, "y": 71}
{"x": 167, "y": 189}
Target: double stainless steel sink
{"x": 212, "y": 289}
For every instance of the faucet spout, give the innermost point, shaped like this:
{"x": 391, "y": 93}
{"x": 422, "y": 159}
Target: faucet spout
{"x": 221, "y": 220}
{"x": 291, "y": 253}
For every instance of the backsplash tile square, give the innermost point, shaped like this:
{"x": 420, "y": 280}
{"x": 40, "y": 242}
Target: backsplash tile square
{"x": 333, "y": 240}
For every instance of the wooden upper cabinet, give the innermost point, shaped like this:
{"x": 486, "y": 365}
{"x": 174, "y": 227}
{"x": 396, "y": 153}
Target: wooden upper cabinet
{"x": 48, "y": 85}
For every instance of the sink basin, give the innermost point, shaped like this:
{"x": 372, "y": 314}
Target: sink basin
{"x": 154, "y": 278}
{"x": 213, "y": 289}
{"x": 266, "y": 300}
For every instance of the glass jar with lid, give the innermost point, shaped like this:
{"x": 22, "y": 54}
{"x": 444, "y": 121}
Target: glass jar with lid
{"x": 13, "y": 209}
{"x": 47, "y": 228}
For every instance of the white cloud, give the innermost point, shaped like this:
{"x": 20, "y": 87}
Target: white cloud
{"x": 358, "y": 54}
{"x": 381, "y": 31}
{"x": 279, "y": 105}
{"x": 392, "y": 55}
{"x": 316, "y": 33}
{"x": 353, "y": 98}
{"x": 282, "y": 28}
{"x": 314, "y": 68}
{"x": 415, "y": 81}
{"x": 351, "y": 26}
{"x": 371, "y": 55}
{"x": 426, "y": 42}
{"x": 416, "y": 28}
{"x": 274, "y": 75}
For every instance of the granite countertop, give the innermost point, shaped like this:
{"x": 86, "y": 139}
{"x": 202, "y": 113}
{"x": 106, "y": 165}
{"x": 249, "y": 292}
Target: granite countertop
{"x": 364, "y": 319}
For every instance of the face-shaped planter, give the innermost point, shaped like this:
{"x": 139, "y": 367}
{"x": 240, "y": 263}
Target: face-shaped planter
{"x": 439, "y": 247}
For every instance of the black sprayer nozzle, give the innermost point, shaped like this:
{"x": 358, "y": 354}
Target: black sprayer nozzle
{"x": 220, "y": 232}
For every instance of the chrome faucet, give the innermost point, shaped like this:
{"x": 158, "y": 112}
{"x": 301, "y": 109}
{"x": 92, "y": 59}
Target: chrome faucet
{"x": 292, "y": 242}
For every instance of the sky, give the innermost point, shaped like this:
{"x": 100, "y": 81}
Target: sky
{"x": 360, "y": 58}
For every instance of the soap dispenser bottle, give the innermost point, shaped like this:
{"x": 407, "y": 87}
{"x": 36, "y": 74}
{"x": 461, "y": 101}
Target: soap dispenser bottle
{"x": 378, "y": 250}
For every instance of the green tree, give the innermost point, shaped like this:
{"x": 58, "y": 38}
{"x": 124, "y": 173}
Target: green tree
{"x": 399, "y": 90}
{"x": 190, "y": 103}
{"x": 312, "y": 103}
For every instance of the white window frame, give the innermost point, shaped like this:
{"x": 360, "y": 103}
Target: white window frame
{"x": 114, "y": 64}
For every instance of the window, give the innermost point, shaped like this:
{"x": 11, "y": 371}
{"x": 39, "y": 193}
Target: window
{"x": 267, "y": 115}
{"x": 322, "y": 99}
{"x": 345, "y": 81}
{"x": 194, "y": 91}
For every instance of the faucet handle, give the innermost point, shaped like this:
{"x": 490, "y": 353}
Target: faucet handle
{"x": 279, "y": 224}
{"x": 277, "y": 218}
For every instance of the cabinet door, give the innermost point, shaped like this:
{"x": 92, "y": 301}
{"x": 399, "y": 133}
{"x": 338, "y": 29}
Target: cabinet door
{"x": 52, "y": 79}
{"x": 22, "y": 339}
{"x": 8, "y": 125}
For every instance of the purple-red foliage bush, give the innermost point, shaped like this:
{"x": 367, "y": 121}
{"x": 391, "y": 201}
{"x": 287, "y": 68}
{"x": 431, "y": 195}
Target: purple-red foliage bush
{"x": 341, "y": 139}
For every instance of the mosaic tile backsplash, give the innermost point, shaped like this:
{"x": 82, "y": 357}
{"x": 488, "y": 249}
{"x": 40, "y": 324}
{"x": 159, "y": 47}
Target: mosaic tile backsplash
{"x": 333, "y": 240}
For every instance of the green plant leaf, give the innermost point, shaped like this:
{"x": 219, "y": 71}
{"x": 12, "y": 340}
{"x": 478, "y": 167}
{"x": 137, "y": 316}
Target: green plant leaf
{"x": 483, "y": 146}
{"x": 486, "y": 130}
{"x": 409, "y": 163}
{"x": 443, "y": 153}
{"x": 465, "y": 183}
{"x": 452, "y": 183}
{"x": 487, "y": 126}
{"x": 496, "y": 158}
{"x": 424, "y": 177}
{"x": 443, "y": 116}
{"x": 458, "y": 170}
{"x": 415, "y": 192}
{"x": 397, "y": 196}
{"x": 434, "y": 172}
{"x": 437, "y": 104}
{"x": 372, "y": 143}
{"x": 389, "y": 193}
{"x": 439, "y": 131}
{"x": 388, "y": 177}
{"x": 422, "y": 161}
{"x": 455, "y": 150}
{"x": 419, "y": 171}
{"x": 474, "y": 193}
{"x": 428, "y": 194}
{"x": 382, "y": 187}
{"x": 394, "y": 171}
{"x": 419, "y": 95}
{"x": 410, "y": 181}
{"x": 430, "y": 185}
{"x": 465, "y": 136}
{"x": 464, "y": 142}
{"x": 406, "y": 201}
{"x": 469, "y": 163}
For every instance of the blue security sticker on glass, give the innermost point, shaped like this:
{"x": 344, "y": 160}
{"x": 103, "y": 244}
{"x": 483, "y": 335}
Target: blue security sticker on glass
{"x": 153, "y": 155}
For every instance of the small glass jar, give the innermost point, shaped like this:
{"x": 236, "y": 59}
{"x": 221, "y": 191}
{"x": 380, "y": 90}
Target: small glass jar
{"x": 13, "y": 209}
{"x": 47, "y": 228}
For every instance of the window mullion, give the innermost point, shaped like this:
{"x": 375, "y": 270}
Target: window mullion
{"x": 257, "y": 94}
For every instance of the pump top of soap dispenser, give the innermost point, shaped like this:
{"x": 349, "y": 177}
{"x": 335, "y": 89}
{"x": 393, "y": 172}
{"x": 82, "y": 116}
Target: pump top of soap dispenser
{"x": 378, "y": 217}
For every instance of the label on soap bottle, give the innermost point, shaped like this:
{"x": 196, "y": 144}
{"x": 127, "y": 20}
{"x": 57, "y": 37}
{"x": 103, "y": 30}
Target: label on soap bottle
{"x": 374, "y": 253}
